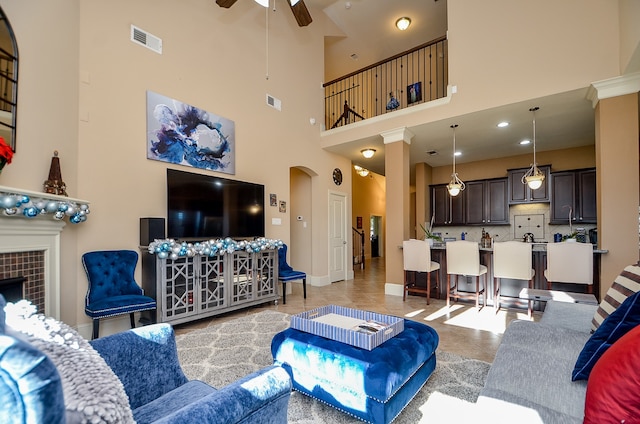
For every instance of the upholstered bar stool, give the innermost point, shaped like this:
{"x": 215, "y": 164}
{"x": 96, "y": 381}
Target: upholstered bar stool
{"x": 511, "y": 259}
{"x": 463, "y": 258}
{"x": 570, "y": 263}
{"x": 416, "y": 255}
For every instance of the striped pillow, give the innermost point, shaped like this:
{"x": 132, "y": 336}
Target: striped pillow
{"x": 625, "y": 284}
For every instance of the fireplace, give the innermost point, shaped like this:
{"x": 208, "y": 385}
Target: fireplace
{"x": 12, "y": 289}
{"x": 30, "y": 248}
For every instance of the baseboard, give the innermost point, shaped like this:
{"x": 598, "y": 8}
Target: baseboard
{"x": 393, "y": 289}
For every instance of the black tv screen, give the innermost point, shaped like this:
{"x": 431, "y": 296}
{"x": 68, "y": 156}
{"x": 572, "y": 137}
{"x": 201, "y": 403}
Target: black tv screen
{"x": 205, "y": 207}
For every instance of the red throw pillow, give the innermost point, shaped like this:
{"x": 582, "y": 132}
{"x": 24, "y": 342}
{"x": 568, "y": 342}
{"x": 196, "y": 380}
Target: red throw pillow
{"x": 614, "y": 383}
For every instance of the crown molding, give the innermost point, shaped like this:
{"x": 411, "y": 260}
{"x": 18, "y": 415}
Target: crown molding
{"x": 613, "y": 87}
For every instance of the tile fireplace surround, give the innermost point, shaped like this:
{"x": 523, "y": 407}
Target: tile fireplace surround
{"x": 36, "y": 239}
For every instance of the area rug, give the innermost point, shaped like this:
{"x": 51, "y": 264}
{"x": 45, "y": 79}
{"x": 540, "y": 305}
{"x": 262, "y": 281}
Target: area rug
{"x": 222, "y": 353}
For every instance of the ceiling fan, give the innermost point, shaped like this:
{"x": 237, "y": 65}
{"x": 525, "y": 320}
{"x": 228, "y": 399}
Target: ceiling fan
{"x": 300, "y": 11}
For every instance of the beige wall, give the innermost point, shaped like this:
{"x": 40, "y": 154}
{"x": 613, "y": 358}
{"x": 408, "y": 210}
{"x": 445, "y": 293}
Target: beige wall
{"x": 82, "y": 92}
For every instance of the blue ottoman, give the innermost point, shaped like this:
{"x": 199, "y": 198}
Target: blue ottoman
{"x": 374, "y": 385}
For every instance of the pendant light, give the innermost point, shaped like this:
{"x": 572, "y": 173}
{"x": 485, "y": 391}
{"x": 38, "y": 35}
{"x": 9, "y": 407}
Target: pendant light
{"x": 456, "y": 185}
{"x": 534, "y": 177}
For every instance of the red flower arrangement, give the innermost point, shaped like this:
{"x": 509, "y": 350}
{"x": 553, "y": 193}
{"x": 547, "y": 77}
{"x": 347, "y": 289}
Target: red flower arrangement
{"x": 5, "y": 153}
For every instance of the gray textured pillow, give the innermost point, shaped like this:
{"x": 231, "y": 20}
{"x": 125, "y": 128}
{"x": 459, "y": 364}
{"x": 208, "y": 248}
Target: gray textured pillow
{"x": 92, "y": 392}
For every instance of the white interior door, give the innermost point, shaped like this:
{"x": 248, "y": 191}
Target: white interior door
{"x": 337, "y": 237}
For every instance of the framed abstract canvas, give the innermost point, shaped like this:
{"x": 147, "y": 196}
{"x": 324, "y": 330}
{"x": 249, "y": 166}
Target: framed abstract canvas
{"x": 186, "y": 135}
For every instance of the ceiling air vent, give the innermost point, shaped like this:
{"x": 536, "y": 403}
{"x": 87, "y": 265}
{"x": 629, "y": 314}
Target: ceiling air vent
{"x": 273, "y": 102}
{"x": 143, "y": 38}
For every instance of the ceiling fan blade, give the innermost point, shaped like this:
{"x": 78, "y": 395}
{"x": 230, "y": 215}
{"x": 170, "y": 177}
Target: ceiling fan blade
{"x": 301, "y": 13}
{"x": 225, "y": 3}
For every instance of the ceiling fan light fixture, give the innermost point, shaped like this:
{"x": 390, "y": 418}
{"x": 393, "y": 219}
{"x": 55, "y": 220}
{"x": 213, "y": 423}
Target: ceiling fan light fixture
{"x": 263, "y": 3}
{"x": 368, "y": 153}
{"x": 403, "y": 23}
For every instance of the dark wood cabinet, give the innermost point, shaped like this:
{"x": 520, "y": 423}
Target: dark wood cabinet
{"x": 445, "y": 209}
{"x": 481, "y": 202}
{"x": 573, "y": 191}
{"x": 486, "y": 202}
{"x": 521, "y": 193}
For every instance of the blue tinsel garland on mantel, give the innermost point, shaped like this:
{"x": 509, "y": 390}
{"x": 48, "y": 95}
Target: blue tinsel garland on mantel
{"x": 172, "y": 249}
{"x": 16, "y": 202}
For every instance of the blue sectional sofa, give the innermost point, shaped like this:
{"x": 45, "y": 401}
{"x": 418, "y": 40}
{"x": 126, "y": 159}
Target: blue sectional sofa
{"x": 50, "y": 374}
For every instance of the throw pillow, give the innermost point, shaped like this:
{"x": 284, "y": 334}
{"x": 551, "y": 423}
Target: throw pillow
{"x": 612, "y": 390}
{"x": 92, "y": 392}
{"x": 625, "y": 284}
{"x": 619, "y": 323}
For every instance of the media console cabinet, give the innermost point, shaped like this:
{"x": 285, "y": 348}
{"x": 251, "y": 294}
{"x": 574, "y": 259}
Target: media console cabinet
{"x": 191, "y": 288}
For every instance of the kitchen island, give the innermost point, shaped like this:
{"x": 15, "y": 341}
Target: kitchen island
{"x": 511, "y": 288}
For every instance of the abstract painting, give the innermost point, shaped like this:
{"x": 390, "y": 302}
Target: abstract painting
{"x": 186, "y": 135}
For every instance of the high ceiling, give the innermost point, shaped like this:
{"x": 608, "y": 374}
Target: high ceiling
{"x": 563, "y": 121}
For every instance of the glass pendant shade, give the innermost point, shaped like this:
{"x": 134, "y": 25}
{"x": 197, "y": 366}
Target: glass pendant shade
{"x": 263, "y": 3}
{"x": 456, "y": 185}
{"x": 534, "y": 177}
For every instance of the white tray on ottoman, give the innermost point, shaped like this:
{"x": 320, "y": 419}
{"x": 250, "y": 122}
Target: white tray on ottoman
{"x": 364, "y": 329}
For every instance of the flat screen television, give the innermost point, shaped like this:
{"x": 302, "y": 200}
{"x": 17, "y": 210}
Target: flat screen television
{"x": 205, "y": 207}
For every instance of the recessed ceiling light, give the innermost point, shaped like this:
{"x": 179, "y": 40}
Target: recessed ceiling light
{"x": 503, "y": 124}
{"x": 525, "y": 142}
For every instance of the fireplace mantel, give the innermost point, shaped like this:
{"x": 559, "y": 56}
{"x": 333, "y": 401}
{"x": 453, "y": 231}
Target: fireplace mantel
{"x": 20, "y": 203}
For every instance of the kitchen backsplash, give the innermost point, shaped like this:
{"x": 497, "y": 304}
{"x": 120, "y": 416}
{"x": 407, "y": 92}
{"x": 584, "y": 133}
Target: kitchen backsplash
{"x": 527, "y": 218}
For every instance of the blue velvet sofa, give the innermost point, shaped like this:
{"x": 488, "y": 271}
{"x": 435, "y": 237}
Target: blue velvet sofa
{"x": 50, "y": 374}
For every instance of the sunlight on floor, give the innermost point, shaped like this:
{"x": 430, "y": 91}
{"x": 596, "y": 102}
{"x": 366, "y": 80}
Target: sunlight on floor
{"x": 486, "y": 319}
{"x": 442, "y": 312}
{"x": 414, "y": 313}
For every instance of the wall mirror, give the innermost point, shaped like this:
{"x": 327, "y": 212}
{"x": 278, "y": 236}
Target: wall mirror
{"x": 8, "y": 81}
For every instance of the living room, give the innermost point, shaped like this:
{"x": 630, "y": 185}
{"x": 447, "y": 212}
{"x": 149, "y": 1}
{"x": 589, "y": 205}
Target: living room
{"x": 97, "y": 79}
{"x": 82, "y": 93}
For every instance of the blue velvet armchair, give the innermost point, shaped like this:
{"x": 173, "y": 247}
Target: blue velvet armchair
{"x": 112, "y": 288}
{"x": 143, "y": 362}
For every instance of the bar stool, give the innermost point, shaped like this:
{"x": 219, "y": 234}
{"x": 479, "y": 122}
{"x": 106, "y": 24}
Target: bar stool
{"x": 416, "y": 255}
{"x": 511, "y": 259}
{"x": 463, "y": 258}
{"x": 570, "y": 263}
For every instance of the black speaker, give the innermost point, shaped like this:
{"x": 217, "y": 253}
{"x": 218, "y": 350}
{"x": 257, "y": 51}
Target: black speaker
{"x": 151, "y": 229}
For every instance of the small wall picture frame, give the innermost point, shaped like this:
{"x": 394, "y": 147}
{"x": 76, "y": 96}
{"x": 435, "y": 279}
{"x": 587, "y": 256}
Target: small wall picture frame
{"x": 414, "y": 93}
{"x": 358, "y": 222}
{"x": 273, "y": 199}
{"x": 283, "y": 206}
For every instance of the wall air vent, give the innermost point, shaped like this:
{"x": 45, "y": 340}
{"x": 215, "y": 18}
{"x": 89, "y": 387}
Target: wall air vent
{"x": 274, "y": 103}
{"x": 142, "y": 37}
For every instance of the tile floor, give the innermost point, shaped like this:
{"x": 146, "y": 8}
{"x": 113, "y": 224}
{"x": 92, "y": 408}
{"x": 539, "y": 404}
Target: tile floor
{"x": 462, "y": 329}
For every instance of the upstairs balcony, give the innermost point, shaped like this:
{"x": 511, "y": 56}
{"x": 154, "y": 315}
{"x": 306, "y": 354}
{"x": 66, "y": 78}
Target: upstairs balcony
{"x": 407, "y": 79}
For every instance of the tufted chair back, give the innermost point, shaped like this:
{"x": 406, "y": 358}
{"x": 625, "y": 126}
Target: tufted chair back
{"x": 112, "y": 289}
{"x": 110, "y": 273}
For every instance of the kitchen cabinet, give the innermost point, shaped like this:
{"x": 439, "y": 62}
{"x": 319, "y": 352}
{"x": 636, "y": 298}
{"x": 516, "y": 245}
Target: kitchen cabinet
{"x": 445, "y": 209}
{"x": 574, "y": 189}
{"x": 521, "y": 193}
{"x": 486, "y": 202}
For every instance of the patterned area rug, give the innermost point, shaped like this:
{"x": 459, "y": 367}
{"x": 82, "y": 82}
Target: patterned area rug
{"x": 223, "y": 353}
